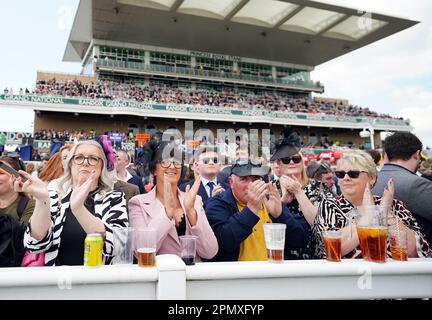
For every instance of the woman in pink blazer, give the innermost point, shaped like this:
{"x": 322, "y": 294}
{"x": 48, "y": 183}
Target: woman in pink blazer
{"x": 167, "y": 209}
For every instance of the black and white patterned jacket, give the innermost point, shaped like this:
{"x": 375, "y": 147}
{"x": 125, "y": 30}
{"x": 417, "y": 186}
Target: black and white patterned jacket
{"x": 110, "y": 209}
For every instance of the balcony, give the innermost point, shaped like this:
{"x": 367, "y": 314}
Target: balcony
{"x": 200, "y": 74}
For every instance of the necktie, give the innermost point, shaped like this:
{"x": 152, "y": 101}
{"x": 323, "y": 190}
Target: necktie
{"x": 210, "y": 184}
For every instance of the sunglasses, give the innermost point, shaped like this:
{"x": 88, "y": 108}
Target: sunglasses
{"x": 353, "y": 174}
{"x": 295, "y": 159}
{"x": 207, "y": 160}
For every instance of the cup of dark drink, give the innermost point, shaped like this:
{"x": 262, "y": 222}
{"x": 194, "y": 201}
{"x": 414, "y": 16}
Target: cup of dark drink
{"x": 274, "y": 234}
{"x": 188, "y": 249}
{"x": 333, "y": 245}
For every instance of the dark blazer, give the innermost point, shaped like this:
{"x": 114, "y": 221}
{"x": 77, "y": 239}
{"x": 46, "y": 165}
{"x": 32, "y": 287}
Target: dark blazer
{"x": 138, "y": 182}
{"x": 130, "y": 190}
{"x": 202, "y": 191}
{"x": 414, "y": 191}
{"x": 231, "y": 227}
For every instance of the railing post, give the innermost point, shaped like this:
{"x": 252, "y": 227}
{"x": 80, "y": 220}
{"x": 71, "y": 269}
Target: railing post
{"x": 172, "y": 277}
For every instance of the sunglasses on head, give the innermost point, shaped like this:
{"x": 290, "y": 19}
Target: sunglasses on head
{"x": 353, "y": 174}
{"x": 295, "y": 159}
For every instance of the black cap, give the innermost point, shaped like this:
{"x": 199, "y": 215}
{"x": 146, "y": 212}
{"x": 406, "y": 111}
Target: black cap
{"x": 288, "y": 146}
{"x": 247, "y": 168}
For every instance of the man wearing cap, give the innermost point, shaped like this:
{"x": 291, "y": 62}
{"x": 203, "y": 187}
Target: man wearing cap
{"x": 237, "y": 216}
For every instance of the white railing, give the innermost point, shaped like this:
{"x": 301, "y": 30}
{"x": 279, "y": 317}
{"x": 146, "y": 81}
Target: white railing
{"x": 171, "y": 279}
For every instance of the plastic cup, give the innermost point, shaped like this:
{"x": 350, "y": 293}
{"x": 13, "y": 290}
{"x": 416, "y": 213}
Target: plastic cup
{"x": 398, "y": 244}
{"x": 274, "y": 234}
{"x": 145, "y": 247}
{"x": 333, "y": 245}
{"x": 372, "y": 231}
{"x": 124, "y": 245}
{"x": 188, "y": 249}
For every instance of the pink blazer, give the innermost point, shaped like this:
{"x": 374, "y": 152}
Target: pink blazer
{"x": 145, "y": 210}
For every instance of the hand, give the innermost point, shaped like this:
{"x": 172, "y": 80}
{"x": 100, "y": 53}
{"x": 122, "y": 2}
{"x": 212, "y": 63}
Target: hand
{"x": 288, "y": 197}
{"x": 190, "y": 196}
{"x": 387, "y": 197}
{"x": 33, "y": 186}
{"x": 218, "y": 189}
{"x": 273, "y": 204}
{"x": 169, "y": 199}
{"x": 80, "y": 194}
{"x": 290, "y": 184}
{"x": 256, "y": 192}
{"x": 368, "y": 199}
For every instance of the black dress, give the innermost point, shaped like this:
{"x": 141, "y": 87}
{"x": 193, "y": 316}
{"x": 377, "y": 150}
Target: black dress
{"x": 71, "y": 249}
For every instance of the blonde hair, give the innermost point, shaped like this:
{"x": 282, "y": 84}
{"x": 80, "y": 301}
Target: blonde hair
{"x": 426, "y": 167}
{"x": 304, "y": 180}
{"x": 106, "y": 179}
{"x": 360, "y": 159}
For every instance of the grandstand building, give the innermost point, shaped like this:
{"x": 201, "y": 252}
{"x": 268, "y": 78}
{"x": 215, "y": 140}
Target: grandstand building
{"x": 149, "y": 65}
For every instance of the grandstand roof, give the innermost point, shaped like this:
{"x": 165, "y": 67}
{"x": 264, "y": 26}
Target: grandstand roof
{"x": 294, "y": 31}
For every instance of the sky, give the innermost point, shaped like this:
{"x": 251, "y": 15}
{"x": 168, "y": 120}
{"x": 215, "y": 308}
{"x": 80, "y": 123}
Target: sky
{"x": 393, "y": 75}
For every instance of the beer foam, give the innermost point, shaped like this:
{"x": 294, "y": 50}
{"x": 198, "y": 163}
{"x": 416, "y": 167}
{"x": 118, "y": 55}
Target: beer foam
{"x": 146, "y": 250}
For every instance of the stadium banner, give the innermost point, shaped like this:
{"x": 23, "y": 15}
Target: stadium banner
{"x": 197, "y": 109}
{"x": 13, "y": 137}
{"x": 42, "y": 145}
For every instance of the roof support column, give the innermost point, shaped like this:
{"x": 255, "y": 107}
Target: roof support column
{"x": 147, "y": 58}
{"x": 235, "y": 66}
{"x": 274, "y": 74}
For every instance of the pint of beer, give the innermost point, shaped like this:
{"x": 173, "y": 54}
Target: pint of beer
{"x": 275, "y": 255}
{"x": 333, "y": 245}
{"x": 274, "y": 234}
{"x": 146, "y": 257}
{"x": 145, "y": 247}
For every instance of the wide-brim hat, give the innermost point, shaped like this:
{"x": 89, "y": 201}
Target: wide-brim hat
{"x": 288, "y": 145}
{"x": 247, "y": 168}
{"x": 285, "y": 151}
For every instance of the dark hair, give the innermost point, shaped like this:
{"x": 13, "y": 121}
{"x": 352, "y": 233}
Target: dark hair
{"x": 315, "y": 170}
{"x": 155, "y": 150}
{"x": 401, "y": 146}
{"x": 204, "y": 149}
{"x": 14, "y": 162}
{"x": 375, "y": 154}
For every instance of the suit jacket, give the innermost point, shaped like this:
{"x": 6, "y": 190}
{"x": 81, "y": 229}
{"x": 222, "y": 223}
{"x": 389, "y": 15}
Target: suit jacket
{"x": 130, "y": 190}
{"x": 138, "y": 182}
{"x": 146, "y": 210}
{"x": 202, "y": 192}
{"x": 232, "y": 227}
{"x": 414, "y": 191}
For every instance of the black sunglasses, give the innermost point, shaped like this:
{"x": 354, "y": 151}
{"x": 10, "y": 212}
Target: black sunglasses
{"x": 207, "y": 160}
{"x": 287, "y": 160}
{"x": 353, "y": 174}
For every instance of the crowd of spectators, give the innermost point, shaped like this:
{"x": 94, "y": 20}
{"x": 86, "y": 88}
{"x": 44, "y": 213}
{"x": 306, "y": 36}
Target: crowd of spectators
{"x": 221, "y": 96}
{"x": 79, "y": 135}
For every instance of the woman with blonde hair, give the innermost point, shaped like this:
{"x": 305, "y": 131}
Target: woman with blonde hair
{"x": 83, "y": 203}
{"x": 357, "y": 174}
{"x": 300, "y": 195}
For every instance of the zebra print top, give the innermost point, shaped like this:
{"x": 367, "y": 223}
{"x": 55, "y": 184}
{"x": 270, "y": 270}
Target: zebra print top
{"x": 110, "y": 209}
{"x": 334, "y": 213}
